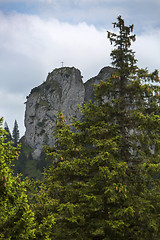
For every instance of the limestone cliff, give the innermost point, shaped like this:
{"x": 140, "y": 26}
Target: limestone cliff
{"x": 63, "y": 90}
{"x": 104, "y": 74}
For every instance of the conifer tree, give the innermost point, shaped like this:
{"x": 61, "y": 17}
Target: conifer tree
{"x": 16, "y": 218}
{"x": 104, "y": 179}
{"x": 49, "y": 203}
{"x": 8, "y": 134}
{"x": 15, "y": 133}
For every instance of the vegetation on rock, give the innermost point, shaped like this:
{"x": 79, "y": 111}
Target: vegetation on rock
{"x": 103, "y": 182}
{"x": 103, "y": 179}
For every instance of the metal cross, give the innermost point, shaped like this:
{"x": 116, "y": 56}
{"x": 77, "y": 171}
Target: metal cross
{"x": 62, "y": 63}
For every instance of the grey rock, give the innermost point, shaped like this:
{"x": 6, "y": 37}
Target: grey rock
{"x": 103, "y": 75}
{"x": 63, "y": 90}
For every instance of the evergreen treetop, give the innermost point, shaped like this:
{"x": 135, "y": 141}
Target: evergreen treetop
{"x": 15, "y": 133}
{"x": 103, "y": 183}
{"x": 8, "y": 133}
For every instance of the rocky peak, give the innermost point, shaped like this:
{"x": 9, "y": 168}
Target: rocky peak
{"x": 104, "y": 74}
{"x": 63, "y": 90}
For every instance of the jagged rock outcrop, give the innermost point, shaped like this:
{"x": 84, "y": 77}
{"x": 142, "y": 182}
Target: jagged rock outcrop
{"x": 63, "y": 90}
{"x": 104, "y": 74}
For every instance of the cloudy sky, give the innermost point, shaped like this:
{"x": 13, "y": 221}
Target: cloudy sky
{"x": 37, "y": 35}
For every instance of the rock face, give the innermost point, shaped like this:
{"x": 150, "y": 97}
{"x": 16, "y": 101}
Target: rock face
{"x": 63, "y": 90}
{"x": 104, "y": 74}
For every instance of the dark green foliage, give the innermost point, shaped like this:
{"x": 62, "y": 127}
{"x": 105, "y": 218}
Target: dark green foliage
{"x": 8, "y": 133}
{"x": 103, "y": 182}
{"x": 16, "y": 218}
{"x": 26, "y": 165}
{"x": 15, "y": 134}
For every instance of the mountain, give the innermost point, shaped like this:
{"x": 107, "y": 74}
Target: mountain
{"x": 63, "y": 90}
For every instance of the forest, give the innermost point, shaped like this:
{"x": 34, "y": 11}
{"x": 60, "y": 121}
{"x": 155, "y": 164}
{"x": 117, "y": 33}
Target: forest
{"x": 103, "y": 177}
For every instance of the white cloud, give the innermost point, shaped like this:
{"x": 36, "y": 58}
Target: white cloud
{"x": 45, "y": 43}
{"x": 147, "y": 49}
{"x": 49, "y": 1}
{"x": 12, "y": 108}
{"x": 31, "y": 47}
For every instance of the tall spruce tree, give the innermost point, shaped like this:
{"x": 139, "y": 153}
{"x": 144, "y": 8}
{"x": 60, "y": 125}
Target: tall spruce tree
{"x": 8, "y": 133}
{"x": 104, "y": 179}
{"x": 16, "y": 217}
{"x": 15, "y": 133}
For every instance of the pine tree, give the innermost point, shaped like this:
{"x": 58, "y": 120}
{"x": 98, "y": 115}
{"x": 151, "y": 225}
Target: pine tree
{"x": 134, "y": 96}
{"x": 104, "y": 179}
{"x": 124, "y": 130}
{"x": 8, "y": 135}
{"x": 16, "y": 218}
{"x": 15, "y": 133}
{"x": 49, "y": 202}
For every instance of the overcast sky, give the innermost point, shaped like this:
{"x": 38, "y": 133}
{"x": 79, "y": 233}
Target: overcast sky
{"x": 37, "y": 35}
